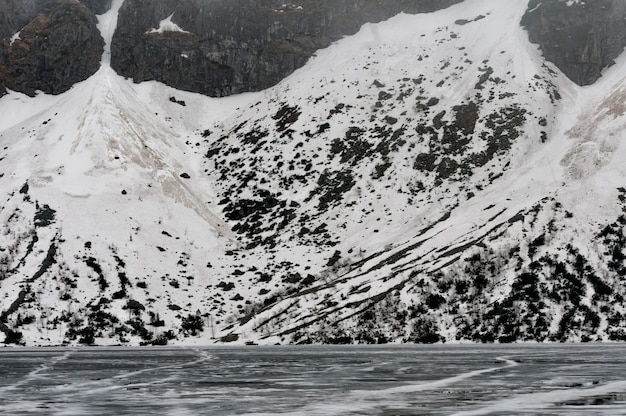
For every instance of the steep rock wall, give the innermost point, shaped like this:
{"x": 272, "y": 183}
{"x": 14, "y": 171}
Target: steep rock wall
{"x": 97, "y": 6}
{"x": 580, "y": 38}
{"x": 226, "y": 47}
{"x": 47, "y": 45}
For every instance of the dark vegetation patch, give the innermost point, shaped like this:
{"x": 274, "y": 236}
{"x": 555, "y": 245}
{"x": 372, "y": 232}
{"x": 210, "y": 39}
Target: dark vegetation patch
{"x": 286, "y": 116}
{"x": 93, "y": 264}
{"x": 44, "y": 216}
{"x": 331, "y": 188}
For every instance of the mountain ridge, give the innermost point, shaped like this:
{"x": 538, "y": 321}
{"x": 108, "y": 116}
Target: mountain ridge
{"x": 267, "y": 42}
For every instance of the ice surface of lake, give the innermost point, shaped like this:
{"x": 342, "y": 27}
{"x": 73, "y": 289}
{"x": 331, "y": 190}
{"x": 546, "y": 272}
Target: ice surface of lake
{"x": 391, "y": 380}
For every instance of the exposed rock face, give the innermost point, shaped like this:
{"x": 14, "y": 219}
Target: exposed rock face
{"x": 15, "y": 14}
{"x": 97, "y": 6}
{"x": 223, "y": 47}
{"x": 581, "y": 38}
{"x": 47, "y": 45}
{"x": 231, "y": 46}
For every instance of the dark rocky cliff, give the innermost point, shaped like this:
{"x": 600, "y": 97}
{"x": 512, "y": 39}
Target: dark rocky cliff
{"x": 580, "y": 39}
{"x": 97, "y": 6}
{"x": 58, "y": 45}
{"x": 232, "y": 46}
{"x": 238, "y": 45}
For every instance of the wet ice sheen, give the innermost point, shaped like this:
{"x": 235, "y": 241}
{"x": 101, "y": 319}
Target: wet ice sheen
{"x": 392, "y": 380}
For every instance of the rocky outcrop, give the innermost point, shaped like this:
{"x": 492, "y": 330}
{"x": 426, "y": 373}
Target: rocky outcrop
{"x": 230, "y": 46}
{"x": 221, "y": 47}
{"x": 97, "y": 6}
{"x": 13, "y": 16}
{"x": 48, "y": 45}
{"x": 580, "y": 38}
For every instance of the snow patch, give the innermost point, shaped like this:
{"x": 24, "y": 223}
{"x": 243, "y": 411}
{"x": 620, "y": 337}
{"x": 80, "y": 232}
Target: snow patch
{"x": 15, "y": 37}
{"x": 166, "y": 25}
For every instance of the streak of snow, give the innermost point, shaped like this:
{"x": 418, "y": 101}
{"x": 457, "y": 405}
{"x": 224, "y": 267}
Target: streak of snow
{"x": 166, "y": 25}
{"x": 107, "y": 23}
{"x": 15, "y": 37}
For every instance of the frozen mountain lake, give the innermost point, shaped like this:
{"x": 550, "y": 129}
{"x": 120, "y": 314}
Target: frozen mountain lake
{"x": 321, "y": 380}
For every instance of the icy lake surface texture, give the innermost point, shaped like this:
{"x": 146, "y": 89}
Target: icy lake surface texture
{"x": 393, "y": 380}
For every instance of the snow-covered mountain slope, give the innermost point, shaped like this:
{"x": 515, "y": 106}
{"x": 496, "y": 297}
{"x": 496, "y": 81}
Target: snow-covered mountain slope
{"x": 430, "y": 178}
{"x": 106, "y": 211}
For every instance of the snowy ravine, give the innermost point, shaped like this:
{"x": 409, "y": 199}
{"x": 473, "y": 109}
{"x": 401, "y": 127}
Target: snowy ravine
{"x": 428, "y": 179}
